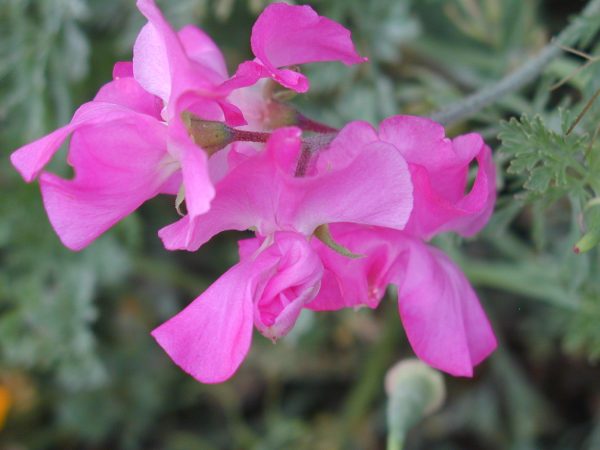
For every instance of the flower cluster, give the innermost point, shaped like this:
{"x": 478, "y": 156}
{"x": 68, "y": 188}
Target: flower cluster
{"x": 338, "y": 215}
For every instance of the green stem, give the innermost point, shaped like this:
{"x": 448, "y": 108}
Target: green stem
{"x": 395, "y": 442}
{"x": 525, "y": 74}
{"x": 524, "y": 279}
{"x": 369, "y": 384}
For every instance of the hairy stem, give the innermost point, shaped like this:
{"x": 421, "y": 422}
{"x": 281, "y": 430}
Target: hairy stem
{"x": 310, "y": 146}
{"x": 249, "y": 136}
{"x": 525, "y": 74}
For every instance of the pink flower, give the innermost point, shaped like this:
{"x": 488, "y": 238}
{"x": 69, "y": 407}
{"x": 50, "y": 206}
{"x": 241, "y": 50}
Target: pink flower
{"x": 210, "y": 338}
{"x": 187, "y": 71}
{"x": 279, "y": 273}
{"x": 118, "y": 151}
{"x": 439, "y": 169}
{"x": 442, "y": 317}
{"x": 121, "y": 151}
{"x": 441, "y": 314}
{"x": 261, "y": 192}
{"x": 287, "y": 35}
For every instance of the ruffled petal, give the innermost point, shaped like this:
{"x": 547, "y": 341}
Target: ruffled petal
{"x": 199, "y": 189}
{"x": 162, "y": 66}
{"x": 118, "y": 166}
{"x": 200, "y": 48}
{"x": 293, "y": 282}
{"x": 151, "y": 66}
{"x": 210, "y": 338}
{"x": 30, "y": 159}
{"x": 443, "y": 319}
{"x": 440, "y": 169}
{"x": 355, "y": 282}
{"x": 127, "y": 92}
{"x": 286, "y": 35}
{"x": 122, "y": 69}
{"x": 263, "y": 193}
{"x": 384, "y": 198}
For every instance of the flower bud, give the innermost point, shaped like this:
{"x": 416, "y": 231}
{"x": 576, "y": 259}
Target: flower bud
{"x": 211, "y": 136}
{"x": 414, "y": 390}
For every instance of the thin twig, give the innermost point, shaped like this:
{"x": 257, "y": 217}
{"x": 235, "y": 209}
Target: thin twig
{"x": 520, "y": 77}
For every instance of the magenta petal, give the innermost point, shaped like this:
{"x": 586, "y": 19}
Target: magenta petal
{"x": 292, "y": 283}
{"x": 123, "y": 69}
{"x": 286, "y": 35}
{"x": 201, "y": 48}
{"x": 162, "y": 66}
{"x": 355, "y": 282}
{"x": 199, "y": 190}
{"x": 247, "y": 197}
{"x": 263, "y": 193}
{"x": 347, "y": 195}
{"x": 210, "y": 338}
{"x": 440, "y": 168}
{"x": 443, "y": 319}
{"x": 118, "y": 166}
{"x": 127, "y": 92}
{"x": 151, "y": 63}
{"x": 30, "y": 159}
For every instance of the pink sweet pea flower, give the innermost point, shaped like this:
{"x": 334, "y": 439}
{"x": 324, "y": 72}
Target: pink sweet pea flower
{"x": 442, "y": 317}
{"x": 279, "y": 273}
{"x": 118, "y": 150}
{"x": 439, "y": 169}
{"x": 121, "y": 151}
{"x": 210, "y": 338}
{"x": 288, "y": 35}
{"x": 262, "y": 193}
{"x": 441, "y": 314}
{"x": 187, "y": 71}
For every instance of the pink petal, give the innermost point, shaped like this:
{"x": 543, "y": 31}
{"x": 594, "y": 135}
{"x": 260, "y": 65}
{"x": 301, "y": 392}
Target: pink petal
{"x": 355, "y": 282}
{"x": 439, "y": 168}
{"x": 127, "y": 92}
{"x": 286, "y": 35}
{"x": 199, "y": 190}
{"x": 293, "y": 282}
{"x": 123, "y": 69}
{"x": 347, "y": 145}
{"x": 151, "y": 63}
{"x": 348, "y": 195}
{"x": 201, "y": 48}
{"x": 443, "y": 319}
{"x": 30, "y": 159}
{"x": 262, "y": 192}
{"x": 118, "y": 166}
{"x": 162, "y": 66}
{"x": 210, "y": 338}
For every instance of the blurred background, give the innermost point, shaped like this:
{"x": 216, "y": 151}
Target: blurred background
{"x": 78, "y": 367}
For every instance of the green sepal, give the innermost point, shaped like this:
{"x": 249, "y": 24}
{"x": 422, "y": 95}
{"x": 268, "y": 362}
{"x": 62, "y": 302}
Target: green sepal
{"x": 179, "y": 200}
{"x": 323, "y": 234}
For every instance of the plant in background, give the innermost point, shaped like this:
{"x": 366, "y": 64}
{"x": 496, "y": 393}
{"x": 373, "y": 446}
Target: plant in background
{"x": 326, "y": 218}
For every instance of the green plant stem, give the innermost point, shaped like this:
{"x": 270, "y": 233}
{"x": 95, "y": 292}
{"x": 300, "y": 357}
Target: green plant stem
{"x": 524, "y": 279}
{"x": 395, "y": 442}
{"x": 524, "y": 75}
{"x": 370, "y": 382}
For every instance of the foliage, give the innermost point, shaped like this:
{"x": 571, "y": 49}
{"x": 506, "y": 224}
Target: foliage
{"x": 75, "y": 353}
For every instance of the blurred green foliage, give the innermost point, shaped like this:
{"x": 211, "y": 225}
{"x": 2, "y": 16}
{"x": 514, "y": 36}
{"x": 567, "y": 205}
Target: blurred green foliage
{"x": 75, "y": 351}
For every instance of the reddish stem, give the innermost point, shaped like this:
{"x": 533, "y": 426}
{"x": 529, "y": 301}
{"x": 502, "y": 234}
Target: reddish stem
{"x": 249, "y": 136}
